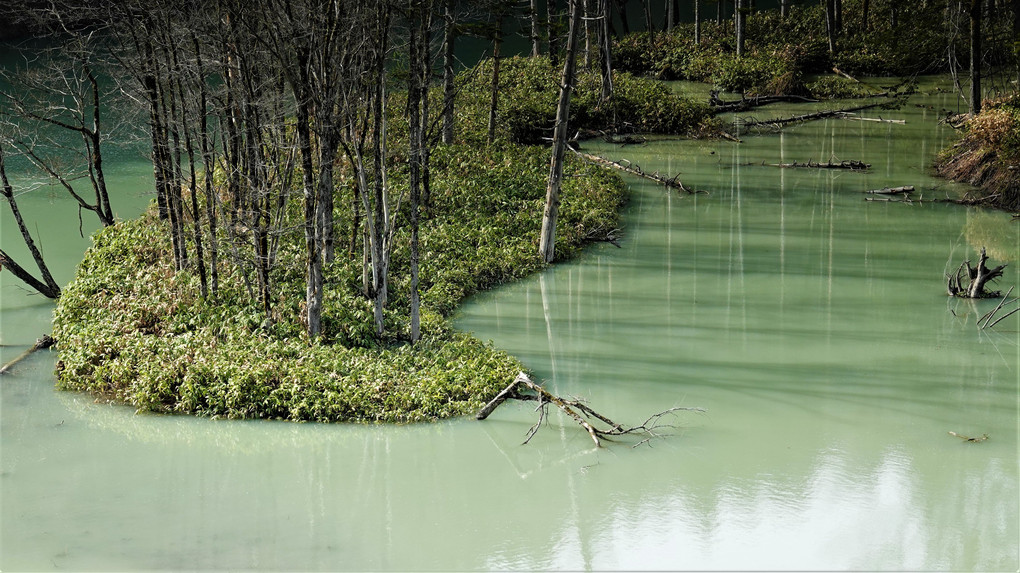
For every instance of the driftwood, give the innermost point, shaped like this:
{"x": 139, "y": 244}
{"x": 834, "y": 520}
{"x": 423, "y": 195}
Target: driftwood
{"x": 778, "y": 123}
{"x": 892, "y": 190}
{"x": 668, "y": 182}
{"x": 598, "y": 426}
{"x": 851, "y": 164}
{"x": 45, "y": 342}
{"x": 748, "y": 103}
{"x": 977, "y": 278}
{"x": 974, "y": 440}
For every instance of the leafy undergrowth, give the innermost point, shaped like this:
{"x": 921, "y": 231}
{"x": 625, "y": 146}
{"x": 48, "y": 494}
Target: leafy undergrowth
{"x": 988, "y": 155}
{"x": 898, "y": 39}
{"x": 132, "y": 329}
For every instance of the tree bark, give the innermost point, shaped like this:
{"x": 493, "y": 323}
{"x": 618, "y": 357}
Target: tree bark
{"x": 47, "y": 286}
{"x": 975, "y": 57}
{"x": 449, "y": 88}
{"x": 739, "y": 18}
{"x": 697, "y": 22}
{"x": 535, "y": 36}
{"x": 547, "y": 242}
{"x": 497, "y": 42}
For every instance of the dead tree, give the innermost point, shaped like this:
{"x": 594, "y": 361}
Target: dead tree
{"x": 47, "y": 286}
{"x": 598, "y": 426}
{"x": 970, "y": 282}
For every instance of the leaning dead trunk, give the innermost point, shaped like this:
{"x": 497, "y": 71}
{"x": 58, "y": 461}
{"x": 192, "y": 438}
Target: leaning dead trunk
{"x": 547, "y": 243}
{"x": 47, "y": 286}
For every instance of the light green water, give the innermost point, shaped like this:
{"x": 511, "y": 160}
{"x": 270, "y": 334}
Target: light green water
{"x": 811, "y": 325}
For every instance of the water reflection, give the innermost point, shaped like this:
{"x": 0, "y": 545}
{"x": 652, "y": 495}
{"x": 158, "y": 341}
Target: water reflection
{"x": 811, "y": 325}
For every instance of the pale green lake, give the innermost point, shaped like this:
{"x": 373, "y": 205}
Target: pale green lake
{"x": 813, "y": 327}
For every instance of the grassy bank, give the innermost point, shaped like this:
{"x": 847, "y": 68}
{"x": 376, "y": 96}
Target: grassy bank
{"x": 988, "y": 155}
{"x": 132, "y": 329}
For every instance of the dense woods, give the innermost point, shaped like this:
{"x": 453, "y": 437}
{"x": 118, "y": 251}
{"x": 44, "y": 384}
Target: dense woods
{"x": 330, "y": 182}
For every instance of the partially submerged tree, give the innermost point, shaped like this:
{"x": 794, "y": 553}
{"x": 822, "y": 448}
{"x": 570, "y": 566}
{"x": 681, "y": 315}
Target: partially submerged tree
{"x": 46, "y": 286}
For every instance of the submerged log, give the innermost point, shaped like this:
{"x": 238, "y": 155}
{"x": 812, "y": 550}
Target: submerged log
{"x": 851, "y": 164}
{"x": 598, "y": 426}
{"x": 779, "y": 123}
{"x": 892, "y": 190}
{"x": 668, "y": 182}
{"x": 748, "y": 103}
{"x": 45, "y": 342}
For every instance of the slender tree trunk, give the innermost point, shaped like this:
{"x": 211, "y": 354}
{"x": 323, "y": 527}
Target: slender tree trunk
{"x": 553, "y": 16}
{"x": 208, "y": 166}
{"x": 649, "y": 22}
{"x": 697, "y": 22}
{"x": 621, "y": 10}
{"x": 784, "y": 8}
{"x": 47, "y": 286}
{"x": 313, "y": 258}
{"x": 497, "y": 42}
{"x": 975, "y": 57}
{"x": 547, "y": 243}
{"x": 449, "y": 88}
{"x": 606, "y": 45}
{"x": 830, "y": 25}
{"x": 837, "y": 16}
{"x": 535, "y": 36}
{"x": 739, "y": 17}
{"x": 669, "y": 15}
{"x": 589, "y": 53}
{"x": 865, "y": 9}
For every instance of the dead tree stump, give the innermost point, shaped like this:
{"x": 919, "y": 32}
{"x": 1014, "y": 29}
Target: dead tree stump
{"x": 977, "y": 278}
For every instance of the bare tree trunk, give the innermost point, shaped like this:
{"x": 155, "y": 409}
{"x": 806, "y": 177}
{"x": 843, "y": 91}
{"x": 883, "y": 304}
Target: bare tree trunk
{"x": 649, "y": 22}
{"x": 535, "y": 36}
{"x": 552, "y": 17}
{"x": 449, "y": 88}
{"x": 547, "y": 242}
{"x": 497, "y": 42}
{"x": 784, "y": 8}
{"x": 621, "y": 10}
{"x": 865, "y": 9}
{"x": 606, "y": 45}
{"x": 830, "y": 25}
{"x": 697, "y": 22}
{"x": 47, "y": 286}
{"x": 975, "y": 57}
{"x": 739, "y": 17}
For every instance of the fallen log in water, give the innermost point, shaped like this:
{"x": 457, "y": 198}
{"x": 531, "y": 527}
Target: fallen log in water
{"x": 748, "y": 103}
{"x": 670, "y": 182}
{"x": 580, "y": 412}
{"x": 778, "y": 123}
{"x": 892, "y": 190}
{"x": 45, "y": 342}
{"x": 875, "y": 119}
{"x": 851, "y": 164}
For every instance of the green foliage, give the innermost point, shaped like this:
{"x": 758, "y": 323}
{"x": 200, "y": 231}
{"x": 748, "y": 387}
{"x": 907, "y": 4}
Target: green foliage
{"x": 529, "y": 90}
{"x": 133, "y": 330}
{"x": 775, "y": 47}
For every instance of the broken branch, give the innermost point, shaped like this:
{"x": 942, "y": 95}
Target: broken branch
{"x": 574, "y": 408}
